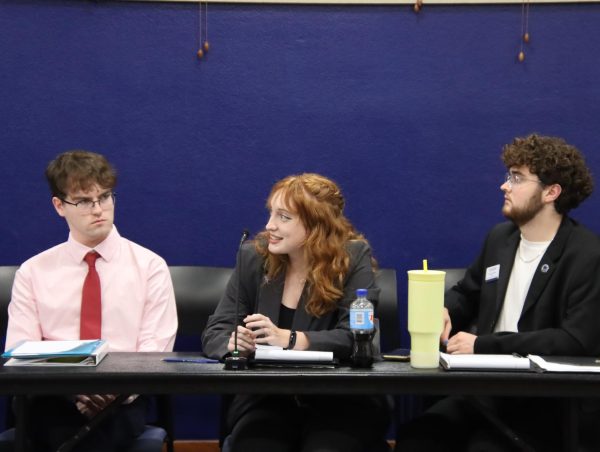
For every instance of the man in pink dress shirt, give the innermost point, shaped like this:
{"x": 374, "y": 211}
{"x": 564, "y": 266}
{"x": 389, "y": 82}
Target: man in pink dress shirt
{"x": 137, "y": 300}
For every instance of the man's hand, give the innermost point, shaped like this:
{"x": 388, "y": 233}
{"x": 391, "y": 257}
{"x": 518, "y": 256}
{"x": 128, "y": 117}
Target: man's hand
{"x": 91, "y": 404}
{"x": 461, "y": 343}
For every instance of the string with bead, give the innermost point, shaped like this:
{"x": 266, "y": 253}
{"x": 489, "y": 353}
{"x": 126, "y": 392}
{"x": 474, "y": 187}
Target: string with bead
{"x": 524, "y": 28}
{"x": 203, "y": 45}
{"x": 417, "y": 6}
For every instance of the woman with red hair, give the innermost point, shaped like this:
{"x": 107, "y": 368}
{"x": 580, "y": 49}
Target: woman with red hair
{"x": 296, "y": 282}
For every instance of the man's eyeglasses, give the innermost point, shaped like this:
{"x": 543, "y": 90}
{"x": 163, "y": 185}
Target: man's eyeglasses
{"x": 516, "y": 179}
{"x": 105, "y": 200}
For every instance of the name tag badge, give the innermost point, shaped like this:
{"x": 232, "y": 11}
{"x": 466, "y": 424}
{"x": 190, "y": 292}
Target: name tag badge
{"x": 492, "y": 273}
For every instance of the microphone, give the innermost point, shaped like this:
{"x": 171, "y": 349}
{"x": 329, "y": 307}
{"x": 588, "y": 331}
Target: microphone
{"x": 236, "y": 361}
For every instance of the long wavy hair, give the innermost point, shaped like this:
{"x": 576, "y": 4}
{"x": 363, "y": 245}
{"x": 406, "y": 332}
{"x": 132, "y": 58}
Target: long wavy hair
{"x": 319, "y": 203}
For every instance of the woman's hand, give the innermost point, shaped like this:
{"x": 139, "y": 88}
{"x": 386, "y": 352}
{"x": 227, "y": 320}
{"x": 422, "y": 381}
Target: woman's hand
{"x": 246, "y": 343}
{"x": 265, "y": 332}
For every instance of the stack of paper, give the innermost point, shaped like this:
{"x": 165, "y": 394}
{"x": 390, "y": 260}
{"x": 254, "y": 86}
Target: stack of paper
{"x": 565, "y": 364}
{"x": 57, "y": 353}
{"x": 274, "y": 355}
{"x": 484, "y": 362}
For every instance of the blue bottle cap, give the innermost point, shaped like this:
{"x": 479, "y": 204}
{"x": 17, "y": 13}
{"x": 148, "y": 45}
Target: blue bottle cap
{"x": 361, "y": 292}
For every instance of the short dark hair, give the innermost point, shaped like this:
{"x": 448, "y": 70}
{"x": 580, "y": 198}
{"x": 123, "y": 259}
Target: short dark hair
{"x": 554, "y": 161}
{"x": 79, "y": 170}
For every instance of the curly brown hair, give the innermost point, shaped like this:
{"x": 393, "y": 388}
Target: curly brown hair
{"x": 319, "y": 203}
{"x": 554, "y": 162}
{"x": 79, "y": 170}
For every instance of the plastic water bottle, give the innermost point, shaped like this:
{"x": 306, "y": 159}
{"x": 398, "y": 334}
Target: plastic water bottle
{"x": 363, "y": 330}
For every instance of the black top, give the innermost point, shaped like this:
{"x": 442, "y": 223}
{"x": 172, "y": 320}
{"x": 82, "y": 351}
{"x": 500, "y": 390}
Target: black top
{"x": 286, "y": 317}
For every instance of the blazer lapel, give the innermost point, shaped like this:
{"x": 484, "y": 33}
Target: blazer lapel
{"x": 269, "y": 299}
{"x": 269, "y": 304}
{"x": 547, "y": 265}
{"x": 506, "y": 259}
{"x": 302, "y": 321}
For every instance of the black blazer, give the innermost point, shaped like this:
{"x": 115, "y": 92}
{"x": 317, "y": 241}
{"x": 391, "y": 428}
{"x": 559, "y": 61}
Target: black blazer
{"x": 330, "y": 332}
{"x": 561, "y": 314}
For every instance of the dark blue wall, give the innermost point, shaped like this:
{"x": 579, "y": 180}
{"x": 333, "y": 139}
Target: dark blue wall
{"x": 407, "y": 112}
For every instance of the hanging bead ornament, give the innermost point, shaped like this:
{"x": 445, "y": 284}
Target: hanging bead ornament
{"x": 524, "y": 28}
{"x": 203, "y": 44}
{"x": 418, "y": 6}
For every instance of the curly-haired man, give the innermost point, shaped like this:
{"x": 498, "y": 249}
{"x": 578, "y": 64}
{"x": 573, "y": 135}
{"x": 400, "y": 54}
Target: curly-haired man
{"x": 534, "y": 289}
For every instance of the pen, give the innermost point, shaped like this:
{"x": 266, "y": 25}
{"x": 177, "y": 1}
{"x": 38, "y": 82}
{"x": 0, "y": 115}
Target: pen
{"x": 190, "y": 360}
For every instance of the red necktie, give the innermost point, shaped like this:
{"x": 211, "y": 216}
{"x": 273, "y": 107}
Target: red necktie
{"x": 91, "y": 306}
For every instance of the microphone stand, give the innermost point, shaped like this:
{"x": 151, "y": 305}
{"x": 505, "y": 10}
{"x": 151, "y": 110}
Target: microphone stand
{"x": 237, "y": 361}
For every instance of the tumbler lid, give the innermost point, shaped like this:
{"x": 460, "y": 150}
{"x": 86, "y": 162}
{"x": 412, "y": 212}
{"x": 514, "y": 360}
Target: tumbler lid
{"x": 426, "y": 275}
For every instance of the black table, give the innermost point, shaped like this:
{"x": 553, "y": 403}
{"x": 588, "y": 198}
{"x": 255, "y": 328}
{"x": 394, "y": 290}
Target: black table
{"x": 146, "y": 373}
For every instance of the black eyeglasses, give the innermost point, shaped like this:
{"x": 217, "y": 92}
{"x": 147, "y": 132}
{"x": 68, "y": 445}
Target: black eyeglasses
{"x": 105, "y": 200}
